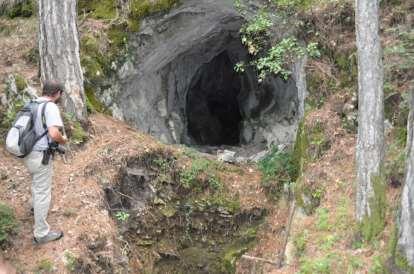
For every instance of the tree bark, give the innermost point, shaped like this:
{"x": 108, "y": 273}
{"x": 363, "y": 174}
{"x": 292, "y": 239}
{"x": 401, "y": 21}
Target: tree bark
{"x": 406, "y": 226}
{"x": 370, "y": 146}
{"x": 59, "y": 52}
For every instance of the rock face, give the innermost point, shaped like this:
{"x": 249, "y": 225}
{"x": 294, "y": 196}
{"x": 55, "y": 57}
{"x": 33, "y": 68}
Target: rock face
{"x": 178, "y": 82}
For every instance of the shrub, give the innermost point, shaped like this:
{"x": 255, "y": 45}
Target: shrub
{"x": 278, "y": 168}
{"x": 8, "y": 223}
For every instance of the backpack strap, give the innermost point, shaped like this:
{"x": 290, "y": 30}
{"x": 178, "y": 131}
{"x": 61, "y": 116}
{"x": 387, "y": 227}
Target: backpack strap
{"x": 43, "y": 117}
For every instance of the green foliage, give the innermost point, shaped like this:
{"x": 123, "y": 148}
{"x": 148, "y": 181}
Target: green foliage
{"x": 378, "y": 266}
{"x": 96, "y": 63}
{"x": 300, "y": 242}
{"x": 328, "y": 241}
{"x": 278, "y": 168}
{"x": 70, "y": 260}
{"x": 142, "y": 8}
{"x": 214, "y": 183}
{"x": 372, "y": 225}
{"x": 76, "y": 133}
{"x": 269, "y": 57}
{"x": 190, "y": 177}
{"x": 8, "y": 117}
{"x": 98, "y": 9}
{"x": 122, "y": 216}
{"x": 280, "y": 56}
{"x": 355, "y": 263}
{"x": 21, "y": 83}
{"x": 317, "y": 265}
{"x": 8, "y": 223}
{"x": 92, "y": 102}
{"x": 294, "y": 5}
{"x": 44, "y": 266}
{"x": 323, "y": 219}
{"x": 255, "y": 32}
{"x": 308, "y": 195}
{"x": 25, "y": 8}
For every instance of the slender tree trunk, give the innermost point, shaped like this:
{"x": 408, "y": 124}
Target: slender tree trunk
{"x": 370, "y": 105}
{"x": 59, "y": 52}
{"x": 406, "y": 226}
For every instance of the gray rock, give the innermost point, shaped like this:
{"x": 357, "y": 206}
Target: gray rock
{"x": 226, "y": 156}
{"x": 259, "y": 156}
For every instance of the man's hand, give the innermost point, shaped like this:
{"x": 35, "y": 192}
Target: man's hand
{"x": 56, "y": 136}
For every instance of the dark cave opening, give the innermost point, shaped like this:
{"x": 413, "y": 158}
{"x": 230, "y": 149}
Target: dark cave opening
{"x": 212, "y": 110}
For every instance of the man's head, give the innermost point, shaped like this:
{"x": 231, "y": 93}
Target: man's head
{"x": 53, "y": 90}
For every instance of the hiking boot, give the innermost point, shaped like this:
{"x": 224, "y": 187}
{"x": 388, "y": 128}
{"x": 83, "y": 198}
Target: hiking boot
{"x": 51, "y": 236}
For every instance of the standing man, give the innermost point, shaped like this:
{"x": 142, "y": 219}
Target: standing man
{"x": 38, "y": 163}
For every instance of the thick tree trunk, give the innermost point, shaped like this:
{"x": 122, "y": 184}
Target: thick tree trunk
{"x": 406, "y": 227}
{"x": 59, "y": 52}
{"x": 370, "y": 106}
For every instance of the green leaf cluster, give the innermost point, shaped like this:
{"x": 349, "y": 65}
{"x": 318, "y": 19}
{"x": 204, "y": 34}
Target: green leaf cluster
{"x": 8, "y": 223}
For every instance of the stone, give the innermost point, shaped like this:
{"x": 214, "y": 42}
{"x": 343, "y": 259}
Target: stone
{"x": 347, "y": 108}
{"x": 226, "y": 156}
{"x": 259, "y": 156}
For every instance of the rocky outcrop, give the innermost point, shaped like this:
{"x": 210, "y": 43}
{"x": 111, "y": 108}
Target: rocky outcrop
{"x": 178, "y": 82}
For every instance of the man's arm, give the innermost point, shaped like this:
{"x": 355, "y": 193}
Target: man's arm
{"x": 56, "y": 136}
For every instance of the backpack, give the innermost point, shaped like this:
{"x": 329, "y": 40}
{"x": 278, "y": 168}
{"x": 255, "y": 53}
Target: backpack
{"x": 22, "y": 136}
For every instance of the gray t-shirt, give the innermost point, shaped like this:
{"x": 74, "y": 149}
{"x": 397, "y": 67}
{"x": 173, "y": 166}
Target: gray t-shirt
{"x": 52, "y": 118}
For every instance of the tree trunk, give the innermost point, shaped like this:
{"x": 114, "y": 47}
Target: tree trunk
{"x": 370, "y": 105}
{"x": 406, "y": 227}
{"x": 59, "y": 52}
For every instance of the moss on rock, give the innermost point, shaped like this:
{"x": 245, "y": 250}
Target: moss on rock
{"x": 21, "y": 83}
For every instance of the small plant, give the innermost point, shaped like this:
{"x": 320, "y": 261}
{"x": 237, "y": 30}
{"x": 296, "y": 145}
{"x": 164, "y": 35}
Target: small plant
{"x": 8, "y": 223}
{"x": 317, "y": 265}
{"x": 70, "y": 260}
{"x": 44, "y": 266}
{"x": 323, "y": 219}
{"x": 163, "y": 164}
{"x": 76, "y": 134}
{"x": 278, "y": 168}
{"x": 188, "y": 177}
{"x": 7, "y": 117}
{"x": 214, "y": 182}
{"x": 282, "y": 54}
{"x": 300, "y": 242}
{"x": 122, "y": 216}
{"x": 378, "y": 266}
{"x": 354, "y": 264}
{"x": 328, "y": 242}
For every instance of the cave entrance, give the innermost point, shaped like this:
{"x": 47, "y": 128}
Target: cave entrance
{"x": 213, "y": 113}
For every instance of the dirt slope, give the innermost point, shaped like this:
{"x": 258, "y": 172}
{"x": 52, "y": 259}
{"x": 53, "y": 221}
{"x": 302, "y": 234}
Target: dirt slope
{"x": 78, "y": 202}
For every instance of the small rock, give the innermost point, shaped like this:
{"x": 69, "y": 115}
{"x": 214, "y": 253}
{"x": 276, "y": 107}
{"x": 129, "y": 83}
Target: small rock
{"x": 226, "y": 156}
{"x": 348, "y": 108}
{"x": 259, "y": 156}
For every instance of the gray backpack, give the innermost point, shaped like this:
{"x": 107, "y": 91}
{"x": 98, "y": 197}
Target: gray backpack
{"x": 22, "y": 135}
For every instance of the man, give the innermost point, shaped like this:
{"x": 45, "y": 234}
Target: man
{"x": 48, "y": 119}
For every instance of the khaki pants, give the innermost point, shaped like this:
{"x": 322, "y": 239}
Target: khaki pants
{"x": 41, "y": 190}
